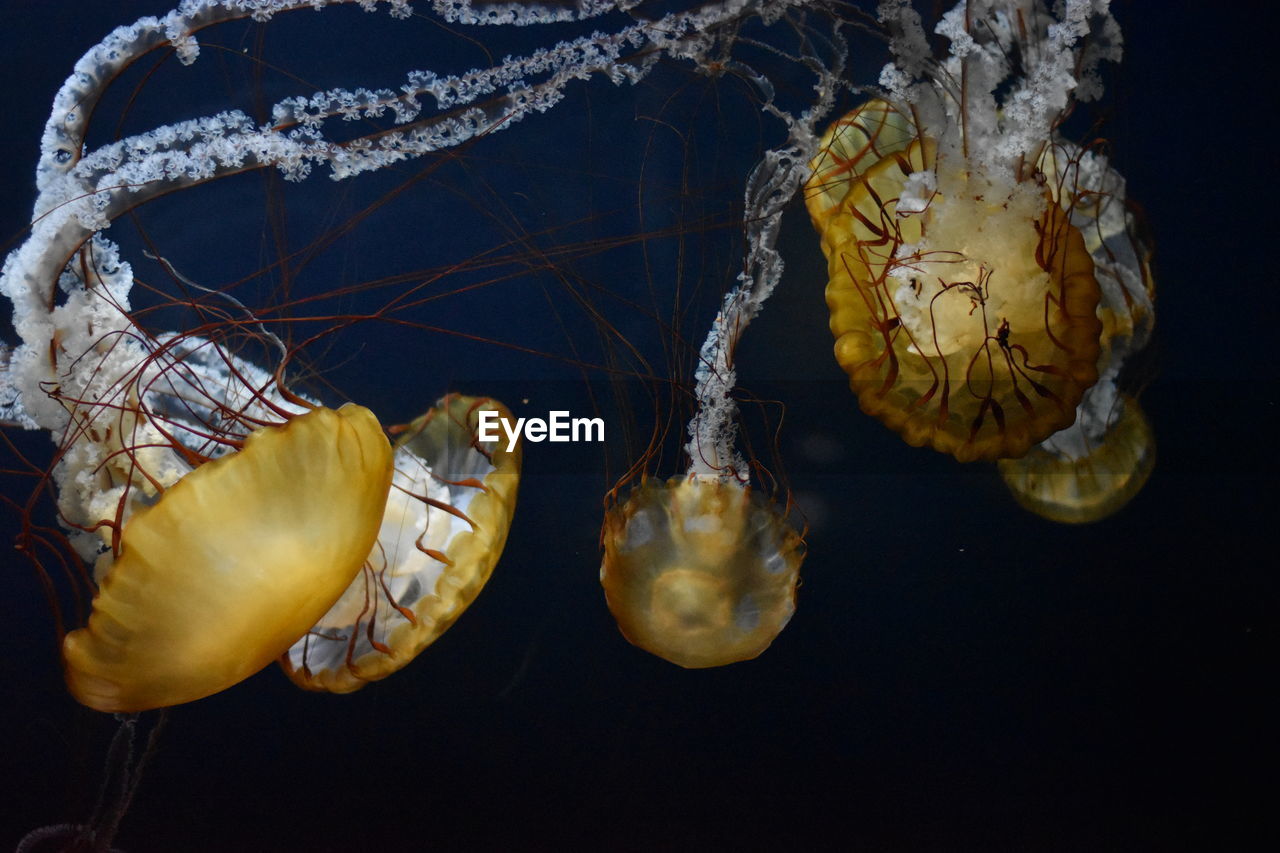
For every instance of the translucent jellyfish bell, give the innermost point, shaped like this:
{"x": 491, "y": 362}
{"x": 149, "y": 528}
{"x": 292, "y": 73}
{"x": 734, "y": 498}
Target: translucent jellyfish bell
{"x": 850, "y": 146}
{"x": 445, "y": 525}
{"x": 233, "y": 563}
{"x": 1074, "y": 479}
{"x": 963, "y": 310}
{"x": 699, "y": 571}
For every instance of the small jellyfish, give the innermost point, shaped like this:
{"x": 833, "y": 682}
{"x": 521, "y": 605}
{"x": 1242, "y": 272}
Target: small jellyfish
{"x": 1073, "y": 479}
{"x": 700, "y": 571}
{"x": 233, "y": 563}
{"x": 445, "y": 525}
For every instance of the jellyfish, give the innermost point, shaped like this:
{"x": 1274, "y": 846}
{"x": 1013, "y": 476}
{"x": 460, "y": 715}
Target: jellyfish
{"x": 446, "y": 521}
{"x": 233, "y": 563}
{"x": 1072, "y": 479}
{"x": 699, "y": 572}
{"x": 702, "y": 569}
{"x": 963, "y": 297}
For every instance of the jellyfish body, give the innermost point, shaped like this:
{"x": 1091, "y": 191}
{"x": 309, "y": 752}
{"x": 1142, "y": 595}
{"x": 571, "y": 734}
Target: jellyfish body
{"x": 444, "y": 528}
{"x": 699, "y": 571}
{"x": 233, "y": 563}
{"x": 1073, "y": 480}
{"x": 963, "y": 309}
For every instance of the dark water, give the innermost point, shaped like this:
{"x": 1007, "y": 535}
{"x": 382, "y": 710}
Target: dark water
{"x": 959, "y": 674}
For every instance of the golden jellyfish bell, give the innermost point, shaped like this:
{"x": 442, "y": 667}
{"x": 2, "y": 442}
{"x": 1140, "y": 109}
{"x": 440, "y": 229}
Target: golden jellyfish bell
{"x": 233, "y": 563}
{"x": 1073, "y": 480}
{"x": 698, "y": 571}
{"x": 964, "y": 311}
{"x": 445, "y": 525}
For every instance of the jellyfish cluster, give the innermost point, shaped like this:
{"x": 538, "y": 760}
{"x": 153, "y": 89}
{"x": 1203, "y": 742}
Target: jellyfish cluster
{"x": 987, "y": 280}
{"x": 987, "y": 284}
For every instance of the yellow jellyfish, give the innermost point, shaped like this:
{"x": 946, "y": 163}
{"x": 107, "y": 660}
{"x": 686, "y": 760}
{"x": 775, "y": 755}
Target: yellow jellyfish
{"x": 233, "y": 563}
{"x": 444, "y": 528}
{"x": 1076, "y": 481}
{"x": 699, "y": 571}
{"x": 964, "y": 309}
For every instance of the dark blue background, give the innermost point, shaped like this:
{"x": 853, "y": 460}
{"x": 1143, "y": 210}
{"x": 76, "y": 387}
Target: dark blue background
{"x": 959, "y": 674}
